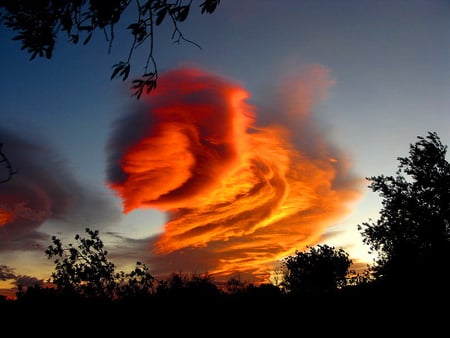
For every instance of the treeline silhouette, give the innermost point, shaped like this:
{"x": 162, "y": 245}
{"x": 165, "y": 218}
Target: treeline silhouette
{"x": 407, "y": 286}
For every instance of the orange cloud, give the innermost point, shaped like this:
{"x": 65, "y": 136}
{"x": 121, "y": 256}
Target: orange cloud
{"x": 239, "y": 196}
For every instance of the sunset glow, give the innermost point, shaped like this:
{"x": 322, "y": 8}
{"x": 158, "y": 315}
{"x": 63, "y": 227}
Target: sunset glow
{"x": 259, "y": 139}
{"x": 239, "y": 195}
{"x": 21, "y": 211}
{"x": 5, "y": 217}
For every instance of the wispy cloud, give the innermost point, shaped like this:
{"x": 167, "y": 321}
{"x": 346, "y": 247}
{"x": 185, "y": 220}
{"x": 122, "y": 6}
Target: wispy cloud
{"x": 6, "y": 273}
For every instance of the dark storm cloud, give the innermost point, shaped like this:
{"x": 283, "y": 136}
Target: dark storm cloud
{"x": 42, "y": 189}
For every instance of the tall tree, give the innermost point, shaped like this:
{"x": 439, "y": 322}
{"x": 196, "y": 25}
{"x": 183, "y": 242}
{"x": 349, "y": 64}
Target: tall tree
{"x": 39, "y": 22}
{"x": 319, "y": 270}
{"x": 412, "y": 234}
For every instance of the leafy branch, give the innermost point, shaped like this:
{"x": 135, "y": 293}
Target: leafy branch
{"x": 38, "y": 24}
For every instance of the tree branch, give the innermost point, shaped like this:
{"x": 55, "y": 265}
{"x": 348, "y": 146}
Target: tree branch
{"x": 6, "y": 164}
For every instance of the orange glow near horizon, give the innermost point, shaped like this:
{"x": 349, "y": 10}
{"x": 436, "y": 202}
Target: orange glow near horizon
{"x": 5, "y": 217}
{"x": 240, "y": 195}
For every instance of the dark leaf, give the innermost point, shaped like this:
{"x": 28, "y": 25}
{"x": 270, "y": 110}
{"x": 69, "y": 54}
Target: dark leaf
{"x": 86, "y": 28}
{"x": 74, "y": 38}
{"x": 134, "y": 27}
{"x": 160, "y": 16}
{"x": 137, "y": 84}
{"x": 66, "y": 22}
{"x": 146, "y": 8}
{"x": 183, "y": 13}
{"x": 48, "y": 53}
{"x": 33, "y": 56}
{"x": 86, "y": 41}
{"x": 125, "y": 72}
{"x": 150, "y": 85}
{"x": 138, "y": 93}
{"x": 209, "y": 6}
{"x": 117, "y": 68}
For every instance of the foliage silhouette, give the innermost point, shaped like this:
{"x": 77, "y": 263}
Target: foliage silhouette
{"x": 39, "y": 22}
{"x": 139, "y": 283}
{"x": 85, "y": 271}
{"x": 319, "y": 270}
{"x": 412, "y": 235}
{"x": 178, "y": 285}
{"x": 234, "y": 284}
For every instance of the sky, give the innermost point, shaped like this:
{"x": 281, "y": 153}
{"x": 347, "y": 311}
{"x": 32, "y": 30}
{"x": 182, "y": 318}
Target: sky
{"x": 251, "y": 147}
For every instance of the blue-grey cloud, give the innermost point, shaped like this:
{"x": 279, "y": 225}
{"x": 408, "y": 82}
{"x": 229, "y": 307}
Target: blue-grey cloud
{"x": 43, "y": 189}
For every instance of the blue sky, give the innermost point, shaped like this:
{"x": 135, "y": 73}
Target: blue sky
{"x": 386, "y": 65}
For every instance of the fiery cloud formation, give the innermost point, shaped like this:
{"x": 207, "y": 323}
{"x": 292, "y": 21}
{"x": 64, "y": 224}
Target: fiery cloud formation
{"x": 239, "y": 196}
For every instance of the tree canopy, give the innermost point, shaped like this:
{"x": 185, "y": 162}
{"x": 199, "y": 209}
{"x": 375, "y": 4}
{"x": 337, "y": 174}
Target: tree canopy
{"x": 38, "y": 25}
{"x": 412, "y": 234}
{"x": 319, "y": 270}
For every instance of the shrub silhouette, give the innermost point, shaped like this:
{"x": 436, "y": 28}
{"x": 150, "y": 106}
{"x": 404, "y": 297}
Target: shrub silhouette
{"x": 319, "y": 270}
{"x": 84, "y": 270}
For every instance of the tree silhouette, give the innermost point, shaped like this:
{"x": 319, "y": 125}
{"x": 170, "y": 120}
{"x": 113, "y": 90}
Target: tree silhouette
{"x": 84, "y": 269}
{"x": 234, "y": 285}
{"x": 138, "y": 284}
{"x": 39, "y": 22}
{"x": 318, "y": 271}
{"x": 411, "y": 235}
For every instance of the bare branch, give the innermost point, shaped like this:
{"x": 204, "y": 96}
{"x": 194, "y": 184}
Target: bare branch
{"x": 7, "y": 165}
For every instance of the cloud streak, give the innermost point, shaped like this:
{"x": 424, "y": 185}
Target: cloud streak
{"x": 43, "y": 189}
{"x": 239, "y": 195}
